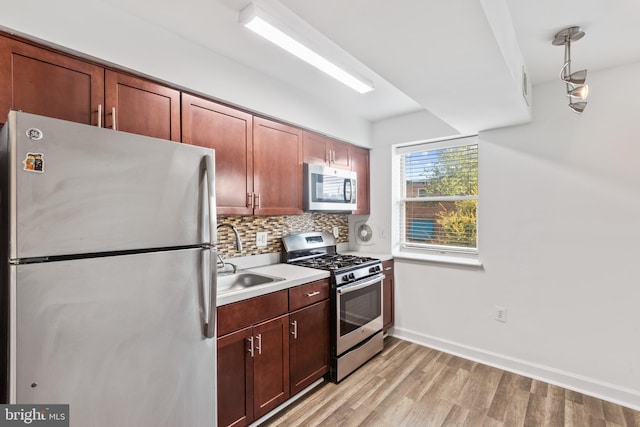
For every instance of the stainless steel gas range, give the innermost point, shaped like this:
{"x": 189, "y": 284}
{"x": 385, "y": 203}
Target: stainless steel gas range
{"x": 356, "y": 298}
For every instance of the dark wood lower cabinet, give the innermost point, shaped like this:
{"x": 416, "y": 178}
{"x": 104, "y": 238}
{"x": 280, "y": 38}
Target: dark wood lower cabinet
{"x": 388, "y": 291}
{"x": 253, "y": 371}
{"x": 267, "y": 354}
{"x": 309, "y": 345}
{"x": 235, "y": 379}
{"x": 270, "y": 365}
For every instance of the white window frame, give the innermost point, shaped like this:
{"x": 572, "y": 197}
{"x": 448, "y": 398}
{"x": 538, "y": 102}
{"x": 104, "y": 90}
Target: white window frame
{"x": 428, "y": 252}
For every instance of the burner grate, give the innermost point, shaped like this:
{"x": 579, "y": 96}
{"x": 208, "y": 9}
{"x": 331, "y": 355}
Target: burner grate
{"x": 334, "y": 261}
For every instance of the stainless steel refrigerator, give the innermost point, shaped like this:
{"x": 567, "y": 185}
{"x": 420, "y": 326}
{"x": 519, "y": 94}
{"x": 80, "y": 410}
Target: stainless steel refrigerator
{"x": 108, "y": 274}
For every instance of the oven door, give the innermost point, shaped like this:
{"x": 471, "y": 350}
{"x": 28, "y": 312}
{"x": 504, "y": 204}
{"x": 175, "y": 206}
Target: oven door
{"x": 358, "y": 311}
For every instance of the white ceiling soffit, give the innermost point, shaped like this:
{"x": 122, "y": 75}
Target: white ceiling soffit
{"x": 458, "y": 59}
{"x": 420, "y": 54}
{"x": 214, "y": 25}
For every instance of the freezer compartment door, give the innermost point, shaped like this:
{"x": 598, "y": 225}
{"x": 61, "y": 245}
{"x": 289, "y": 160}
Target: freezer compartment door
{"x": 79, "y": 189}
{"x": 120, "y": 339}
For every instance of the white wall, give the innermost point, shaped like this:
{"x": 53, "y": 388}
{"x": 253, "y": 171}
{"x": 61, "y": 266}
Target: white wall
{"x": 402, "y": 129}
{"x": 559, "y": 226}
{"x": 96, "y": 29}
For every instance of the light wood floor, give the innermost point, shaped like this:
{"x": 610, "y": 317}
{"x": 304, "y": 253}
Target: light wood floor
{"x": 411, "y": 385}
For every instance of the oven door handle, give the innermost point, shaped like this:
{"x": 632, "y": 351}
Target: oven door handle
{"x": 360, "y": 284}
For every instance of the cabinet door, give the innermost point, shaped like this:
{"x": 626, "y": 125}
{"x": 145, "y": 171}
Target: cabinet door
{"x": 309, "y": 345}
{"x": 341, "y": 155}
{"x": 315, "y": 148}
{"x": 230, "y": 133}
{"x": 235, "y": 379}
{"x": 319, "y": 149}
{"x": 360, "y": 164}
{"x": 42, "y": 82}
{"x": 277, "y": 168}
{"x": 270, "y": 364}
{"x": 142, "y": 107}
{"x": 388, "y": 289}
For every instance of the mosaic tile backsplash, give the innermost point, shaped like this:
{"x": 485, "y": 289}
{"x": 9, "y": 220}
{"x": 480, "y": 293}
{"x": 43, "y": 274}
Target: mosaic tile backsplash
{"x": 276, "y": 227}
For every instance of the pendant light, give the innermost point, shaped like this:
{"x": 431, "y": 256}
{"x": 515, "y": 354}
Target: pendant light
{"x": 576, "y": 87}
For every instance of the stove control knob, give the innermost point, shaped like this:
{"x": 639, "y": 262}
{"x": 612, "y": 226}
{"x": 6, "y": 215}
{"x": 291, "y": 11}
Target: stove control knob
{"x": 372, "y": 270}
{"x": 352, "y": 276}
{"x": 345, "y": 278}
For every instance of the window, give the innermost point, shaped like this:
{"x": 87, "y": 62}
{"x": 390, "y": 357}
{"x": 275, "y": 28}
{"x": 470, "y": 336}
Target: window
{"x": 437, "y": 200}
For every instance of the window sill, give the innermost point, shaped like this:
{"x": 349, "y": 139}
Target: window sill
{"x": 439, "y": 259}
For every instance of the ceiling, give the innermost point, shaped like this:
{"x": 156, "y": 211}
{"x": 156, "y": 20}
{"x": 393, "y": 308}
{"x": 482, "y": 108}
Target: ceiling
{"x": 460, "y": 60}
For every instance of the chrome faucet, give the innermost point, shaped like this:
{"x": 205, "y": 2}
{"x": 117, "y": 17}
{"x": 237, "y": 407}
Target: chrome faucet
{"x": 238, "y": 246}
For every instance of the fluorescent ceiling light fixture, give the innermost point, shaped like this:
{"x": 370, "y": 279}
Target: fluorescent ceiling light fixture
{"x": 260, "y": 22}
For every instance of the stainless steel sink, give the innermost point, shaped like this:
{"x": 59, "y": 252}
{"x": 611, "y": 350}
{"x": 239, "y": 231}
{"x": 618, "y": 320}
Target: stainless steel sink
{"x": 243, "y": 280}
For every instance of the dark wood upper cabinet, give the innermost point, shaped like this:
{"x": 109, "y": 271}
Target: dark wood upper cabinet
{"x": 141, "y": 107}
{"x": 277, "y": 168}
{"x": 230, "y": 133}
{"x": 39, "y": 81}
{"x": 258, "y": 161}
{"x": 360, "y": 164}
{"x": 320, "y": 149}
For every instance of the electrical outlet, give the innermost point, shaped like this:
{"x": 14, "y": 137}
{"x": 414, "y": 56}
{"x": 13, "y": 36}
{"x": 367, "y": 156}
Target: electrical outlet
{"x": 501, "y": 314}
{"x": 336, "y": 232}
{"x": 261, "y": 239}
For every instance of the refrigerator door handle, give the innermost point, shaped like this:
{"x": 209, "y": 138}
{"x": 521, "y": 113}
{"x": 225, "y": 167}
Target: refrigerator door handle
{"x": 210, "y": 327}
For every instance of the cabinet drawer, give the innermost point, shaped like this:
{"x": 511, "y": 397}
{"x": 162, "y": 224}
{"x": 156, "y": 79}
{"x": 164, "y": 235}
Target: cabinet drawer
{"x": 237, "y": 315}
{"x": 307, "y": 294}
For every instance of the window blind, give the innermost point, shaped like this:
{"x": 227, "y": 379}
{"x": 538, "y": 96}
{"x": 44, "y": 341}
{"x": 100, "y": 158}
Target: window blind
{"x": 439, "y": 196}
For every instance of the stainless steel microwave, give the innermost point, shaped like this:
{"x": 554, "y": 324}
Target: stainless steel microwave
{"x": 329, "y": 189}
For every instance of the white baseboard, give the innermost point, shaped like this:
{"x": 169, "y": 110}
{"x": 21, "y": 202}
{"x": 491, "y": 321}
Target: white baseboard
{"x": 589, "y": 386}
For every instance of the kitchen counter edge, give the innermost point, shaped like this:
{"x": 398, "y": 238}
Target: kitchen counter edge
{"x": 294, "y": 276}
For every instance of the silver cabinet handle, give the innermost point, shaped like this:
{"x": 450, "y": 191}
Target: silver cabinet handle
{"x": 259, "y": 345}
{"x": 388, "y": 268}
{"x": 251, "y": 346}
{"x": 250, "y": 200}
{"x": 99, "y": 115}
{"x": 295, "y": 329}
{"x": 256, "y": 197}
{"x": 313, "y": 294}
{"x": 113, "y": 118}
{"x": 210, "y": 331}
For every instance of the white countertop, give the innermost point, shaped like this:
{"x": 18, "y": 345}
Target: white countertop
{"x": 293, "y": 275}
